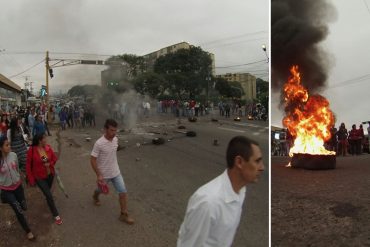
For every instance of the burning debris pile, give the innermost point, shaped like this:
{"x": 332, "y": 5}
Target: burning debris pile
{"x": 308, "y": 120}
{"x": 297, "y": 27}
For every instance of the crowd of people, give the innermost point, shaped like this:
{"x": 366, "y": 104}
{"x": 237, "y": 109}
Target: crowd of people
{"x": 342, "y": 141}
{"x": 26, "y": 158}
{"x": 35, "y": 163}
{"x": 20, "y": 162}
{"x": 75, "y": 116}
{"x": 353, "y": 142}
{"x": 193, "y": 108}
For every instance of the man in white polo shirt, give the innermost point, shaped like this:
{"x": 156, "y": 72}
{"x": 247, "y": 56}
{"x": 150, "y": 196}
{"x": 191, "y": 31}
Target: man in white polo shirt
{"x": 104, "y": 162}
{"x": 214, "y": 210}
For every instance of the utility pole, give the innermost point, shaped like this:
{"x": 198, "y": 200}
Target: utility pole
{"x": 47, "y": 77}
{"x": 47, "y": 84}
{"x": 26, "y": 84}
{"x": 31, "y": 88}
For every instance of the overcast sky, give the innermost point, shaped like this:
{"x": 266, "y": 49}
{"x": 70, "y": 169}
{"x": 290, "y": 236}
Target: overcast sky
{"x": 233, "y": 30}
{"x": 348, "y": 42}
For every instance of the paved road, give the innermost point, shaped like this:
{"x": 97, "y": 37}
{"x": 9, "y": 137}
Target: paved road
{"x": 160, "y": 180}
{"x": 321, "y": 208}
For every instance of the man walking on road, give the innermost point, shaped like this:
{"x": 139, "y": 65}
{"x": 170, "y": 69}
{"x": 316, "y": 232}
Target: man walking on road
{"x": 104, "y": 163}
{"x": 214, "y": 210}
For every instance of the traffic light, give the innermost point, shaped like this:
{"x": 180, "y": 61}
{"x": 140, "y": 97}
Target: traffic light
{"x": 51, "y": 73}
{"x": 43, "y": 91}
{"x": 112, "y": 84}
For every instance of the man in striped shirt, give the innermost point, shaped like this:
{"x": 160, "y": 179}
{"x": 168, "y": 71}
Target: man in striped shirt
{"x": 104, "y": 163}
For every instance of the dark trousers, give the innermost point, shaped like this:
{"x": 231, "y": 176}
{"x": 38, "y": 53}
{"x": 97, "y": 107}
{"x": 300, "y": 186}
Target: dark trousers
{"x": 47, "y": 128}
{"x": 45, "y": 186}
{"x": 15, "y": 198}
{"x": 359, "y": 146}
{"x": 227, "y": 113}
{"x": 353, "y": 147}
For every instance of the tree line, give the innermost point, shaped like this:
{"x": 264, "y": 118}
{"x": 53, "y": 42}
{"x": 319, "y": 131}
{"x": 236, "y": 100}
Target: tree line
{"x": 184, "y": 74}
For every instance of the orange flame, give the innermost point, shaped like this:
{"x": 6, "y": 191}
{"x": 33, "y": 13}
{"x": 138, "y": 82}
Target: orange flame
{"x": 309, "y": 118}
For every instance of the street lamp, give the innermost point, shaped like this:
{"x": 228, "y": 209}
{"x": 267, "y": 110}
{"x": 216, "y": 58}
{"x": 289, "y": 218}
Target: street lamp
{"x": 208, "y": 79}
{"x": 264, "y": 49}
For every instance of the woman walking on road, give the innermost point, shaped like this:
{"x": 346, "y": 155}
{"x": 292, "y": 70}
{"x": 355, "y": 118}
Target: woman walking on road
{"x": 40, "y": 170}
{"x": 11, "y": 185}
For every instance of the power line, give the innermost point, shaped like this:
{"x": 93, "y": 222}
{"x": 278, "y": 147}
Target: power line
{"x": 367, "y": 6}
{"x": 239, "y": 65}
{"x": 351, "y": 81}
{"x": 232, "y": 37}
{"x": 234, "y": 43}
{"x": 27, "y": 69}
{"x": 14, "y": 61}
{"x": 82, "y": 54}
{"x": 59, "y": 53}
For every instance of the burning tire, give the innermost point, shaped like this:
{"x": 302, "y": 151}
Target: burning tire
{"x": 158, "y": 141}
{"x": 191, "y": 134}
{"x": 192, "y": 119}
{"x": 313, "y": 161}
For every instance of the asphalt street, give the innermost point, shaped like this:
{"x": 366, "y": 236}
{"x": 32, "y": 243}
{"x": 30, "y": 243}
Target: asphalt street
{"x": 160, "y": 180}
{"x": 321, "y": 207}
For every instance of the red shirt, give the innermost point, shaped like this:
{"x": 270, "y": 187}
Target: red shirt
{"x": 35, "y": 168}
{"x": 3, "y": 127}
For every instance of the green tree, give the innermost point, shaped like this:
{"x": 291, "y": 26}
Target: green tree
{"x": 135, "y": 64}
{"x": 236, "y": 89}
{"x": 150, "y": 83}
{"x": 262, "y": 92}
{"x": 185, "y": 71}
{"x": 83, "y": 91}
{"x": 223, "y": 87}
{"x": 228, "y": 89}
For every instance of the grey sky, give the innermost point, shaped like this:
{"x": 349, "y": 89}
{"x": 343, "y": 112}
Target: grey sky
{"x": 348, "y": 43}
{"x": 233, "y": 30}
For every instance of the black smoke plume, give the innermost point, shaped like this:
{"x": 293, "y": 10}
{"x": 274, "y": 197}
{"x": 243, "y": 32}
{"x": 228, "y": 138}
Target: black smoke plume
{"x": 297, "y": 28}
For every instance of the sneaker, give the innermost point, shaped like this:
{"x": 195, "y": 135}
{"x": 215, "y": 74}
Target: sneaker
{"x": 125, "y": 218}
{"x": 96, "y": 199}
{"x": 31, "y": 237}
{"x": 58, "y": 220}
{"x": 24, "y": 205}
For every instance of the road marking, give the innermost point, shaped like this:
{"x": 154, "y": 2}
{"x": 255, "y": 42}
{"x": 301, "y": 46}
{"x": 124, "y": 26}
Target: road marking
{"x": 249, "y": 125}
{"x": 239, "y": 131}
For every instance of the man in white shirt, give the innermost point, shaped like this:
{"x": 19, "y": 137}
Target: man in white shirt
{"x": 104, "y": 163}
{"x": 214, "y": 210}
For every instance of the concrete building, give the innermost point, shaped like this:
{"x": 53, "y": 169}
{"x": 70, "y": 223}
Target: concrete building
{"x": 247, "y": 81}
{"x": 153, "y": 56}
{"x": 118, "y": 74}
{"x": 10, "y": 93}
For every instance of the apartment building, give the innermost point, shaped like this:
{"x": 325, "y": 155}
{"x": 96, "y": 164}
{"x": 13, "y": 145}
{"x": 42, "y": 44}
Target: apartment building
{"x": 246, "y": 80}
{"x": 153, "y": 56}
